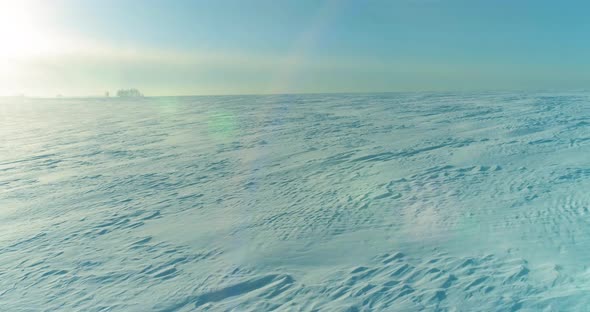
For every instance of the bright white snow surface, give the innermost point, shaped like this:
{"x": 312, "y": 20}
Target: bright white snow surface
{"x": 378, "y": 202}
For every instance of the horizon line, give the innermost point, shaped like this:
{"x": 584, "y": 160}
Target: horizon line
{"x": 293, "y": 93}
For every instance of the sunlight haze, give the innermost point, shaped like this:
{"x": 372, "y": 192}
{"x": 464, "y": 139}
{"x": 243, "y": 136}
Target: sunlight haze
{"x": 84, "y": 48}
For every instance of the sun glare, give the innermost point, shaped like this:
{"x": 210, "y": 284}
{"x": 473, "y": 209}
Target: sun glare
{"x": 22, "y": 34}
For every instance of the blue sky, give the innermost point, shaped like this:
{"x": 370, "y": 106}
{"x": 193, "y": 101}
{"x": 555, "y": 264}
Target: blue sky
{"x": 87, "y": 47}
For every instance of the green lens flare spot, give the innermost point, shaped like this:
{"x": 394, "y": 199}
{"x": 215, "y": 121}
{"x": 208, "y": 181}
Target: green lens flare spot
{"x": 167, "y": 106}
{"x": 222, "y": 124}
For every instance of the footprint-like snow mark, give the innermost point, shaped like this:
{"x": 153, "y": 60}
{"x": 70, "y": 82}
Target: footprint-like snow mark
{"x": 28, "y": 241}
{"x": 338, "y": 158}
{"x": 385, "y": 156}
{"x": 482, "y": 113}
{"x": 397, "y": 282}
{"x": 524, "y": 131}
{"x": 573, "y": 175}
{"x": 30, "y": 159}
{"x": 579, "y": 141}
{"x": 267, "y": 286}
{"x": 542, "y": 141}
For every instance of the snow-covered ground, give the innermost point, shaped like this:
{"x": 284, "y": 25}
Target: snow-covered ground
{"x": 394, "y": 202}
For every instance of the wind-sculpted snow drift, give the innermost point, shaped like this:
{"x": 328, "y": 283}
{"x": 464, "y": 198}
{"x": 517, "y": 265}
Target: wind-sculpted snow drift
{"x": 391, "y": 202}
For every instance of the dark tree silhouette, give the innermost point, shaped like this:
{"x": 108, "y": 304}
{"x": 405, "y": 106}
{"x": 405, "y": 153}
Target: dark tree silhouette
{"x": 129, "y": 93}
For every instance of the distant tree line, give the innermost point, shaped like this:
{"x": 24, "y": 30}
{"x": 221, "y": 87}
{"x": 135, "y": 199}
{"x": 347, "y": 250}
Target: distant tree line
{"x": 129, "y": 93}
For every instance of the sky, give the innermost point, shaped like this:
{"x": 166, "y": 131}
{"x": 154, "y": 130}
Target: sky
{"x": 177, "y": 47}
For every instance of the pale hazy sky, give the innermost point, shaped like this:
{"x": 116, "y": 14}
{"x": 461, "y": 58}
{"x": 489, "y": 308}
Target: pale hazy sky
{"x": 83, "y": 47}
